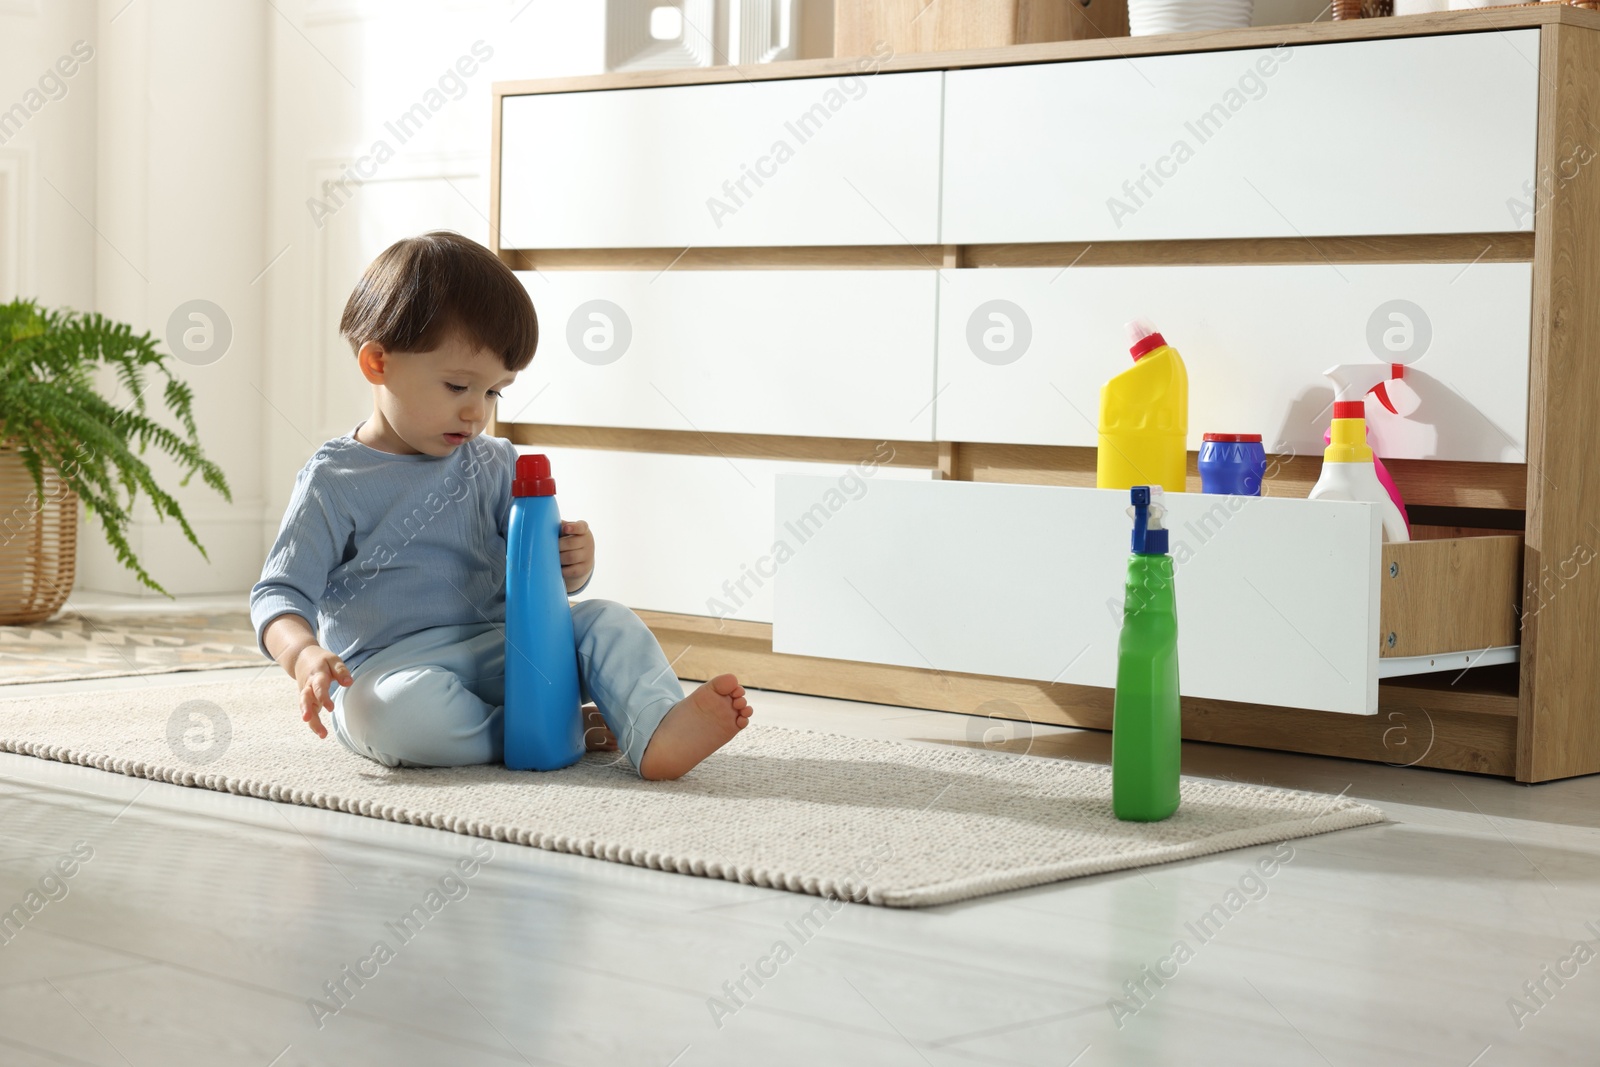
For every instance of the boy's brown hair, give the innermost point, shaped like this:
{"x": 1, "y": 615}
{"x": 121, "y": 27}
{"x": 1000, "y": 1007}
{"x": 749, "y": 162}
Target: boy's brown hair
{"x": 421, "y": 288}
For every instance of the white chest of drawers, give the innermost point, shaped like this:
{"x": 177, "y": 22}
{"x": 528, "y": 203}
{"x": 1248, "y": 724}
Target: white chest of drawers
{"x": 1326, "y": 172}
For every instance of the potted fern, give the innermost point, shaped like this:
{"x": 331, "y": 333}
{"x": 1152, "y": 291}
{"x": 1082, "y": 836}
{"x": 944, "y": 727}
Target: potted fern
{"x": 61, "y": 442}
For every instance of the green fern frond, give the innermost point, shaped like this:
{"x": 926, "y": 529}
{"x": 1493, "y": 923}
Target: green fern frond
{"x": 51, "y": 412}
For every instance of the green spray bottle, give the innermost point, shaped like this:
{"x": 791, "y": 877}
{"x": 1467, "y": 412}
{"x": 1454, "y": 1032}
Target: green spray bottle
{"x": 1146, "y": 730}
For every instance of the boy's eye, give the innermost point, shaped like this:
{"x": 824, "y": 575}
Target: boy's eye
{"x": 462, "y": 389}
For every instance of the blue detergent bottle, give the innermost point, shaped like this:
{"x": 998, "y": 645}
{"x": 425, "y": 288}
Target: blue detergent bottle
{"x": 543, "y": 722}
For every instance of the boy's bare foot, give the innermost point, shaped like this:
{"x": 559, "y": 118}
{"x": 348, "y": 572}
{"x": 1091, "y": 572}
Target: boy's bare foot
{"x": 697, "y": 726}
{"x": 597, "y": 736}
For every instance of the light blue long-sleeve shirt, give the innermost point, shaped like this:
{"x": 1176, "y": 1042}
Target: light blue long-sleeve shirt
{"x": 376, "y": 546}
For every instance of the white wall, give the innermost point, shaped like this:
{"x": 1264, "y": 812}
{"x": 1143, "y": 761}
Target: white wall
{"x": 178, "y": 186}
{"x": 47, "y": 165}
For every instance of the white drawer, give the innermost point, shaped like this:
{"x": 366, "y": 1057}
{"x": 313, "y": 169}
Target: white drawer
{"x": 1255, "y": 341}
{"x": 1278, "y": 601}
{"x": 813, "y": 161}
{"x": 695, "y": 534}
{"x": 807, "y": 352}
{"x": 1406, "y": 135}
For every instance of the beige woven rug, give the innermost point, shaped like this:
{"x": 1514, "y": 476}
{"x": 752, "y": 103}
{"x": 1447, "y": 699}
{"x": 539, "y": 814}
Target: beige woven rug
{"x": 78, "y": 643}
{"x": 883, "y": 822}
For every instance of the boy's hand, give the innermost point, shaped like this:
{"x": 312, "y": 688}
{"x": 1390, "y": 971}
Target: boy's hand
{"x": 576, "y": 545}
{"x": 314, "y": 668}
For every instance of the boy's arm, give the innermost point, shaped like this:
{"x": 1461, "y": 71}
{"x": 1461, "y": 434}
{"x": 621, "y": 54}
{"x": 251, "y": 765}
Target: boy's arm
{"x": 295, "y": 574}
{"x": 286, "y": 637}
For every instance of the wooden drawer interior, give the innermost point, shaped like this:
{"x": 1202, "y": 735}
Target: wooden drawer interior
{"x": 1457, "y": 594}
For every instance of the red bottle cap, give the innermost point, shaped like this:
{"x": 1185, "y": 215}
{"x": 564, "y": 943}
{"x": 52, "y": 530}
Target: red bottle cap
{"x": 1349, "y": 409}
{"x": 533, "y": 476}
{"x": 1253, "y": 438}
{"x": 1145, "y": 345}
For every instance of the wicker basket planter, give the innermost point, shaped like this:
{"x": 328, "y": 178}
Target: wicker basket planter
{"x": 38, "y": 541}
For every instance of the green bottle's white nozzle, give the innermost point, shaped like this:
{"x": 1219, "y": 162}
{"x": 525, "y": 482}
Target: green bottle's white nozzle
{"x": 1158, "y": 508}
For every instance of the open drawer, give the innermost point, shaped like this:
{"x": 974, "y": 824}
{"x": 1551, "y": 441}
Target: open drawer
{"x": 1281, "y": 601}
{"x": 1449, "y": 604}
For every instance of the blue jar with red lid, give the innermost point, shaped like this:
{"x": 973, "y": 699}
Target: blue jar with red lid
{"x": 1232, "y": 464}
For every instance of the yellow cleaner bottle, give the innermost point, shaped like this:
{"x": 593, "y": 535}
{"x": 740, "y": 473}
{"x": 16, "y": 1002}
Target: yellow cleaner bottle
{"x": 1144, "y": 417}
{"x": 1348, "y": 472}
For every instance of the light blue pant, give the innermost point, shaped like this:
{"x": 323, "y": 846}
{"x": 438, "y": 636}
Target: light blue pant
{"x": 436, "y": 698}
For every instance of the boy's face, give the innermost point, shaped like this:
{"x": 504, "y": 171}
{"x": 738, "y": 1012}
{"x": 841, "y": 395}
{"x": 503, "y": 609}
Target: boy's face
{"x": 433, "y": 401}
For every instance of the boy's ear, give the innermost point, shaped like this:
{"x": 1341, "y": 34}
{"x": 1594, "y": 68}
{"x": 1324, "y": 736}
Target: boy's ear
{"x": 373, "y": 361}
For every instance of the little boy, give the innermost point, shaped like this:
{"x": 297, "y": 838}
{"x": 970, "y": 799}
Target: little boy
{"x": 394, "y": 542}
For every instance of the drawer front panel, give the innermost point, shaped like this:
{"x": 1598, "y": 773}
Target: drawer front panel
{"x": 1408, "y": 135}
{"x": 695, "y": 534}
{"x": 812, "y": 161}
{"x": 1277, "y": 598}
{"x": 823, "y": 353}
{"x": 1255, "y": 341}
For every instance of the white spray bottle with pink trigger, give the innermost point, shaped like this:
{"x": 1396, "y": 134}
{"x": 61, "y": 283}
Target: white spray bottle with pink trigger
{"x": 1350, "y": 469}
{"x": 1388, "y": 422}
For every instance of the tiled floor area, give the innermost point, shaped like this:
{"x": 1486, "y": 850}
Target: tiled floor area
{"x": 205, "y": 928}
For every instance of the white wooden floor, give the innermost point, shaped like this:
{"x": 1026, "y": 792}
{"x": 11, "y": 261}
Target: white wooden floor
{"x": 204, "y": 925}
